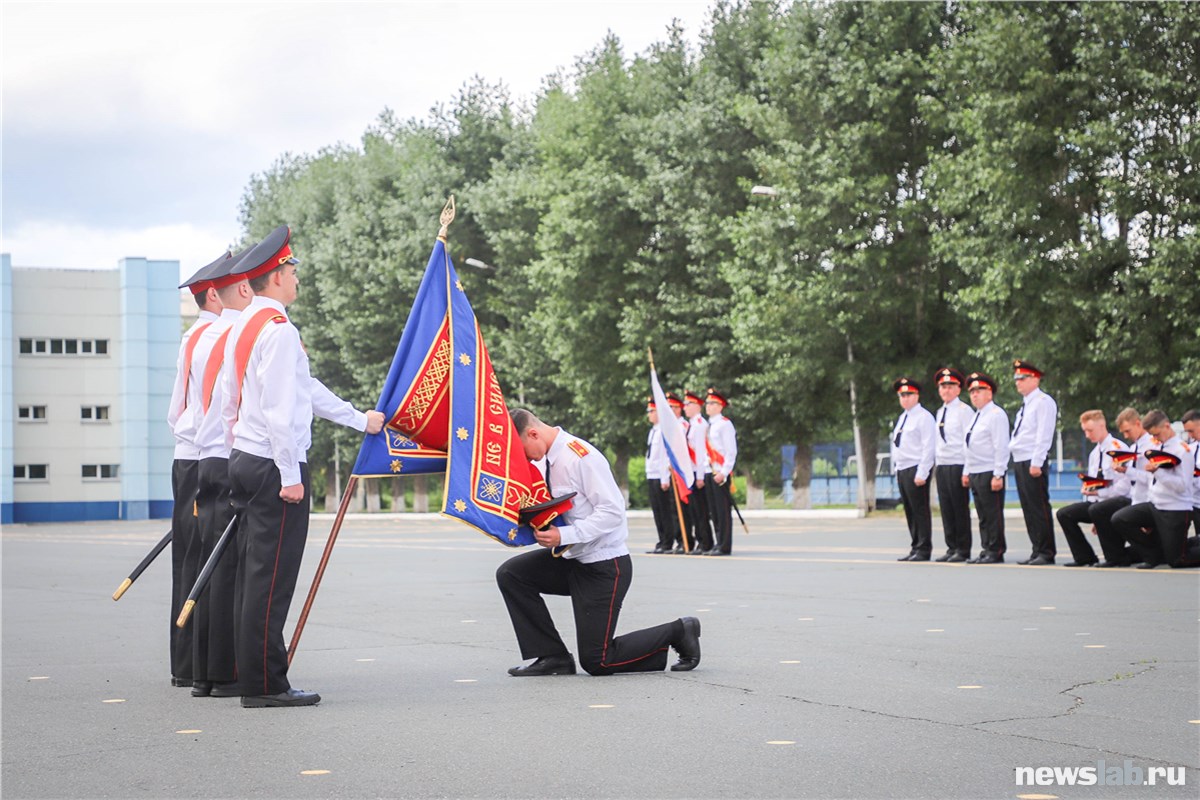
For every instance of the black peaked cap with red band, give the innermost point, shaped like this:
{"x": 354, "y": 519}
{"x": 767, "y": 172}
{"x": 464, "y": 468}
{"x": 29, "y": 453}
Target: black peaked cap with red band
{"x": 906, "y": 385}
{"x": 949, "y": 375}
{"x": 712, "y": 395}
{"x": 979, "y": 379}
{"x": 202, "y": 280}
{"x": 273, "y": 251}
{"x": 1023, "y": 367}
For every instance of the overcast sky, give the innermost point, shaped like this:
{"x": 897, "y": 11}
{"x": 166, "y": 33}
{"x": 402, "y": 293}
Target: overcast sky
{"x": 131, "y": 129}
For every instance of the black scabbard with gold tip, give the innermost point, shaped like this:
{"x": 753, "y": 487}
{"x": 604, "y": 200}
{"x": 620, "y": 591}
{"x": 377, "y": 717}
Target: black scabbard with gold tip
{"x": 140, "y": 568}
{"x": 206, "y": 573}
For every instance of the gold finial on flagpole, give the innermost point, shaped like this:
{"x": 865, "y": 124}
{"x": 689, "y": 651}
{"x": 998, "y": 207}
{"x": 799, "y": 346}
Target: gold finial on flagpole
{"x": 447, "y": 218}
{"x": 650, "y": 354}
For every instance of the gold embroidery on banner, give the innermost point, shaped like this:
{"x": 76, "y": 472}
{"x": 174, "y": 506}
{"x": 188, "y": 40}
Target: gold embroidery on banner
{"x": 397, "y": 465}
{"x": 427, "y": 390}
{"x": 492, "y": 490}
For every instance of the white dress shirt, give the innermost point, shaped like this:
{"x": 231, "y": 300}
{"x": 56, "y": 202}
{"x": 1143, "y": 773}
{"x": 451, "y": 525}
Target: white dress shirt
{"x": 696, "y": 437}
{"x": 278, "y": 396}
{"x": 1033, "y": 429}
{"x": 1100, "y": 464}
{"x": 987, "y": 442}
{"x": 1139, "y": 479}
{"x": 953, "y": 419}
{"x": 1171, "y": 487}
{"x": 210, "y": 433}
{"x": 657, "y": 466}
{"x": 596, "y": 528}
{"x": 915, "y": 431}
{"x": 185, "y": 402}
{"x": 723, "y": 439}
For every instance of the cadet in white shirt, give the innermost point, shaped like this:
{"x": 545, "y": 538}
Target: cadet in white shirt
{"x": 1117, "y": 552}
{"x": 987, "y": 460}
{"x": 1032, "y": 438}
{"x": 683, "y": 509}
{"x": 658, "y": 483}
{"x": 1191, "y": 424}
{"x": 722, "y": 456}
{"x": 913, "y": 448}
{"x": 1101, "y": 484}
{"x": 595, "y": 571}
{"x": 697, "y": 440}
{"x": 214, "y": 661}
{"x": 181, "y": 416}
{"x": 269, "y": 400}
{"x": 1158, "y": 529}
{"x": 954, "y": 499}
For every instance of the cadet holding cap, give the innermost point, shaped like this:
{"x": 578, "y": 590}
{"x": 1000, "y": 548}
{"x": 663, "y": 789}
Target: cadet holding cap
{"x": 1191, "y": 424}
{"x": 913, "y": 451}
{"x": 269, "y": 398}
{"x": 954, "y": 498}
{"x": 1158, "y": 528}
{"x": 987, "y": 459}
{"x": 181, "y": 416}
{"x": 1101, "y": 484}
{"x": 1032, "y": 438}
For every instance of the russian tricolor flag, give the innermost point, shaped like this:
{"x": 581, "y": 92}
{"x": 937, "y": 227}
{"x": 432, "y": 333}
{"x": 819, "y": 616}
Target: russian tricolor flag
{"x": 673, "y": 438}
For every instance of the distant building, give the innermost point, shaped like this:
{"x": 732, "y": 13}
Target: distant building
{"x": 87, "y": 361}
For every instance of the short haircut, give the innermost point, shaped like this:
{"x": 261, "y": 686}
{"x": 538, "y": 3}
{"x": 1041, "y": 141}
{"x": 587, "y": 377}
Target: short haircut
{"x": 227, "y": 293}
{"x": 201, "y": 299}
{"x": 523, "y": 419}
{"x": 1154, "y": 418}
{"x": 260, "y": 283}
{"x": 1191, "y": 415}
{"x": 1091, "y": 415}
{"x": 1128, "y": 415}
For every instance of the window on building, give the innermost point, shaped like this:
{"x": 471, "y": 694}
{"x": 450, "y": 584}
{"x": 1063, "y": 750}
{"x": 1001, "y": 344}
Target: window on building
{"x": 93, "y": 413}
{"x": 63, "y": 347}
{"x": 100, "y": 472}
{"x": 29, "y": 472}
{"x": 31, "y": 413}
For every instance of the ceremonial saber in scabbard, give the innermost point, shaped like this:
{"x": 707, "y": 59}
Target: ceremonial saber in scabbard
{"x": 312, "y": 592}
{"x": 140, "y": 568}
{"x": 733, "y": 503}
{"x": 206, "y": 573}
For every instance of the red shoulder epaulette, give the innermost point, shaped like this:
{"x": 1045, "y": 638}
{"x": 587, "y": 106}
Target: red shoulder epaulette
{"x": 577, "y": 448}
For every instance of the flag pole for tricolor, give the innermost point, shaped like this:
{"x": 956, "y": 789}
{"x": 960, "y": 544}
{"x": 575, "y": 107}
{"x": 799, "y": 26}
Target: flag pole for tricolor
{"x": 675, "y": 443}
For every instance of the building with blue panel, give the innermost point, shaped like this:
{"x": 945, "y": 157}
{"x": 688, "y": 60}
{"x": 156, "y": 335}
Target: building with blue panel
{"x": 87, "y": 360}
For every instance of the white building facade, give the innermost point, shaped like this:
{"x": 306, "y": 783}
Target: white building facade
{"x": 87, "y": 360}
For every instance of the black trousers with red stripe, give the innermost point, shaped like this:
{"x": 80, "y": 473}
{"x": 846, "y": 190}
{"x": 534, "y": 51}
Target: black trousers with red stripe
{"x": 212, "y": 620}
{"x": 185, "y": 559}
{"x": 596, "y": 591}
{"x": 270, "y": 539}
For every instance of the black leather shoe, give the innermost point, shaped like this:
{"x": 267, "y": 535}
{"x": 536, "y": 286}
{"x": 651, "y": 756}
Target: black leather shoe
{"x": 230, "y": 689}
{"x": 288, "y": 699}
{"x": 974, "y": 560}
{"x": 908, "y": 557}
{"x": 546, "y": 665}
{"x": 181, "y": 683}
{"x": 1080, "y": 564}
{"x": 955, "y": 559}
{"x": 990, "y": 559}
{"x": 1025, "y": 561}
{"x": 688, "y": 647}
{"x": 1111, "y": 564}
{"x": 943, "y": 558}
{"x": 1040, "y": 561}
{"x": 201, "y": 688}
{"x": 656, "y": 551}
{"x": 678, "y": 550}
{"x": 1146, "y": 565}
{"x": 919, "y": 557}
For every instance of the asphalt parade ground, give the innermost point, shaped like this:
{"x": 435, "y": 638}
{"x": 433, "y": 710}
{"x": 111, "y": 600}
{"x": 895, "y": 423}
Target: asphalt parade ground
{"x": 829, "y": 670}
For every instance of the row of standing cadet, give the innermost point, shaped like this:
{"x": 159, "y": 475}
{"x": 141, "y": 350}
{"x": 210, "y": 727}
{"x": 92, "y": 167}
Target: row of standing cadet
{"x": 1140, "y": 497}
{"x": 241, "y": 413}
{"x": 707, "y": 516}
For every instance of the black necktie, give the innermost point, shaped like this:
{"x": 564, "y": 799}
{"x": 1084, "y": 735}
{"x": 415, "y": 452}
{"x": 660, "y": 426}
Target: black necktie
{"x": 972, "y": 428}
{"x": 900, "y": 430}
{"x": 942, "y": 423}
{"x": 548, "y": 478}
{"x": 1020, "y": 416}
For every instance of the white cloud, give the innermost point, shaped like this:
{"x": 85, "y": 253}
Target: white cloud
{"x": 55, "y": 244}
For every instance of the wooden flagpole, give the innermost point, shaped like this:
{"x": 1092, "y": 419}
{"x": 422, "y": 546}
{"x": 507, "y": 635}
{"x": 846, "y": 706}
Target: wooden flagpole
{"x": 312, "y": 592}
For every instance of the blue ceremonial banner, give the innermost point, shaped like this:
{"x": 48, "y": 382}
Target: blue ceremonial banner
{"x": 445, "y": 412}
